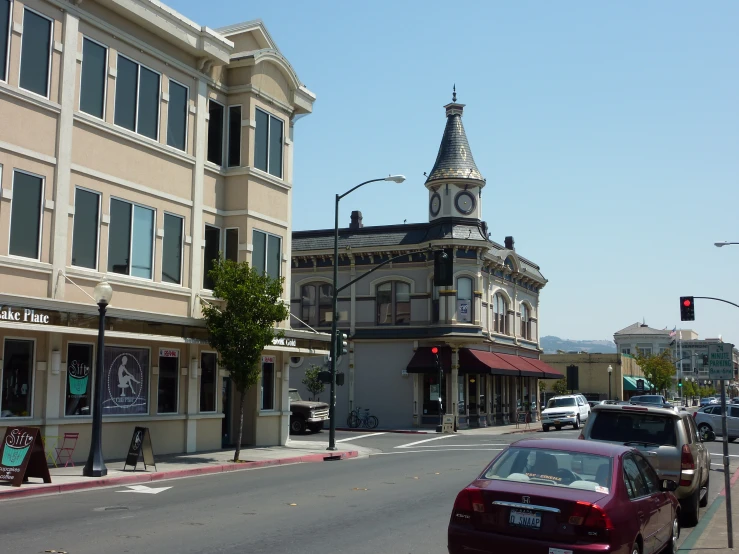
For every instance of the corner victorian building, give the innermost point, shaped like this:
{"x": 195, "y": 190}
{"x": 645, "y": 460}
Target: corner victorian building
{"x": 485, "y": 323}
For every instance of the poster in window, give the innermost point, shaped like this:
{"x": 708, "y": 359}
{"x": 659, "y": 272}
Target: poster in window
{"x": 79, "y": 379}
{"x": 464, "y": 312}
{"x": 17, "y": 375}
{"x": 434, "y": 393}
{"x": 125, "y": 380}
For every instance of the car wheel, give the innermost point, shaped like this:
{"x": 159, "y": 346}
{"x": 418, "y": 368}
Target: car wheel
{"x": 576, "y": 425}
{"x": 704, "y": 499}
{"x": 671, "y": 547}
{"x": 703, "y": 429}
{"x": 690, "y": 510}
{"x": 297, "y": 425}
{"x": 636, "y": 549}
{"x": 545, "y": 428}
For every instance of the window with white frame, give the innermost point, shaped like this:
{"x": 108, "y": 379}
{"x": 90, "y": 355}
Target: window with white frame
{"x": 93, "y": 78}
{"x": 268, "y": 382}
{"x": 644, "y": 349}
{"x": 464, "y": 299}
{"x": 85, "y": 228}
{"x": 626, "y": 350}
{"x": 5, "y": 21}
{"x": 169, "y": 371}
{"x": 525, "y": 322}
{"x": 393, "y": 300}
{"x": 208, "y": 373}
{"x": 266, "y": 256}
{"x": 172, "y": 249}
{"x": 16, "y": 392}
{"x": 500, "y": 314}
{"x": 216, "y": 114}
{"x": 137, "y": 98}
{"x": 316, "y": 303}
{"x": 177, "y": 115}
{"x": 36, "y": 52}
{"x": 211, "y": 251}
{"x": 268, "y": 142}
{"x": 25, "y": 215}
{"x": 131, "y": 239}
{"x": 234, "y": 136}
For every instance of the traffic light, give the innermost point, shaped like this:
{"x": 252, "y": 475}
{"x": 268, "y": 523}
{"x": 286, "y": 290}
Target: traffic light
{"x": 341, "y": 343}
{"x": 340, "y": 379}
{"x": 437, "y": 361}
{"x": 680, "y": 382}
{"x": 687, "y": 308}
{"x": 444, "y": 268}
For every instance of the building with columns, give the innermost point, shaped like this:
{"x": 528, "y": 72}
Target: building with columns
{"x": 135, "y": 145}
{"x": 485, "y": 323}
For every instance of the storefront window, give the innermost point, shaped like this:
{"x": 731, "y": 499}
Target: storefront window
{"x": 79, "y": 379}
{"x": 268, "y": 382}
{"x": 17, "y": 379}
{"x": 474, "y": 400}
{"x": 461, "y": 406}
{"x": 168, "y": 381}
{"x": 126, "y": 381}
{"x": 207, "y": 382}
{"x": 431, "y": 394}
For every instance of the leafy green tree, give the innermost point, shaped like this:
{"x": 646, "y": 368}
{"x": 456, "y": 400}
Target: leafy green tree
{"x": 689, "y": 389}
{"x": 243, "y": 323}
{"x": 560, "y": 386}
{"x": 312, "y": 383}
{"x": 658, "y": 369}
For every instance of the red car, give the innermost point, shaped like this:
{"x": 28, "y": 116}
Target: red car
{"x": 562, "y": 496}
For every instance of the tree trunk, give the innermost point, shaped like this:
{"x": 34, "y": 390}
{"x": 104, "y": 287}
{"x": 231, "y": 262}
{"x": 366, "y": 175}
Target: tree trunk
{"x": 241, "y": 426}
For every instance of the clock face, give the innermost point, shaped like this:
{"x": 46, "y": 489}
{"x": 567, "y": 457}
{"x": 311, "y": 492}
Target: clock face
{"x": 435, "y": 204}
{"x": 465, "y": 202}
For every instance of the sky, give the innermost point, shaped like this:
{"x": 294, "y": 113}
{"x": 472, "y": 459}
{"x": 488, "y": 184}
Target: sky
{"x": 608, "y": 134}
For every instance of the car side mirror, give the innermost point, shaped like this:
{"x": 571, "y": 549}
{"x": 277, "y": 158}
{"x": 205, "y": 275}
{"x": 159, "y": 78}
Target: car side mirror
{"x": 668, "y": 485}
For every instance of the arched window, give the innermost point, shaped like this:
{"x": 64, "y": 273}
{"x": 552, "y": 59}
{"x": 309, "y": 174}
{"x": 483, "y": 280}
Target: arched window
{"x": 315, "y": 304}
{"x": 464, "y": 299}
{"x": 393, "y": 303}
{"x": 500, "y": 314}
{"x": 525, "y": 322}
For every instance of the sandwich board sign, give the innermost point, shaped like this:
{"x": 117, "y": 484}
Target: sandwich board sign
{"x": 720, "y": 363}
{"x": 139, "y": 447}
{"x": 22, "y": 456}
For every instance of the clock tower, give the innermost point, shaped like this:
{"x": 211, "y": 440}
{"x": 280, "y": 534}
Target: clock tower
{"x": 454, "y": 183}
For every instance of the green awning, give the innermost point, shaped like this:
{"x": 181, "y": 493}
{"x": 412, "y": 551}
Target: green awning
{"x": 630, "y": 383}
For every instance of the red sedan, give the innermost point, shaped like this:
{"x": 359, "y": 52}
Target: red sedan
{"x": 561, "y": 496}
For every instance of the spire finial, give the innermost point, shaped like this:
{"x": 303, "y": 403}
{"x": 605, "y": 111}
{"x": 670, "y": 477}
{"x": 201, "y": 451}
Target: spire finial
{"x": 454, "y": 93}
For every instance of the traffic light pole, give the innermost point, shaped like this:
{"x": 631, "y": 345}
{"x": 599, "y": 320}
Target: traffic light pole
{"x": 334, "y": 319}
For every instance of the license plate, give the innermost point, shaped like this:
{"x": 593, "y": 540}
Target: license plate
{"x": 557, "y": 422}
{"x": 523, "y": 518}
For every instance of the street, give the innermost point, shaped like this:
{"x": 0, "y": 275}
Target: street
{"x": 397, "y": 498}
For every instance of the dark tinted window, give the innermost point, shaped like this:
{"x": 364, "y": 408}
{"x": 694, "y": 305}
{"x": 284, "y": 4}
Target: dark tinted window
{"x": 4, "y": 37}
{"x": 259, "y": 250}
{"x": 177, "y": 116}
{"x": 25, "y": 215}
{"x": 168, "y": 379}
{"x": 148, "y": 114}
{"x": 636, "y": 485}
{"x": 210, "y": 253}
{"x": 17, "y": 392}
{"x": 274, "y": 256}
{"x": 232, "y": 244}
{"x": 734, "y": 411}
{"x": 119, "y": 237}
{"x": 268, "y": 385}
{"x": 275, "y": 146}
{"x": 261, "y": 137}
{"x": 651, "y": 481}
{"x": 85, "y": 234}
{"x": 126, "y": 83}
{"x": 215, "y": 133}
{"x": 92, "y": 87}
{"x": 234, "y": 136}
{"x": 142, "y": 242}
{"x": 35, "y": 53}
{"x": 172, "y": 249}
{"x": 207, "y": 382}
{"x": 624, "y": 426}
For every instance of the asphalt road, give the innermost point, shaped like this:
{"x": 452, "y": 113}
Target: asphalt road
{"x": 396, "y": 500}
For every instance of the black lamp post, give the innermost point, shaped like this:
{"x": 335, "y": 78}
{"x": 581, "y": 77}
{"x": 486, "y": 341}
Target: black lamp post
{"x": 334, "y": 307}
{"x": 610, "y": 370}
{"x": 95, "y": 466}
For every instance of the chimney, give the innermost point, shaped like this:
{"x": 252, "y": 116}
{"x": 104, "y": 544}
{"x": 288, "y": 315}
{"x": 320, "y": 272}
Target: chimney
{"x": 356, "y": 222}
{"x": 509, "y": 243}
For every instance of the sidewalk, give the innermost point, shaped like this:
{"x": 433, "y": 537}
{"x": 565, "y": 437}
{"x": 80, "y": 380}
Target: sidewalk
{"x": 181, "y": 465}
{"x": 711, "y": 535}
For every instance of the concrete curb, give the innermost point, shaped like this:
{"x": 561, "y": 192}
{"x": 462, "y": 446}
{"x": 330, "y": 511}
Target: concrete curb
{"x": 174, "y": 474}
{"x": 352, "y": 430}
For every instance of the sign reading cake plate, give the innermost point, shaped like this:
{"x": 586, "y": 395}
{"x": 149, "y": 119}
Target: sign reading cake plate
{"x": 22, "y": 456}
{"x": 125, "y": 380}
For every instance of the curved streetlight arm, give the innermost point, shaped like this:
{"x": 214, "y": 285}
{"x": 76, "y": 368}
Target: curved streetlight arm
{"x": 340, "y": 196}
{"x": 719, "y": 299}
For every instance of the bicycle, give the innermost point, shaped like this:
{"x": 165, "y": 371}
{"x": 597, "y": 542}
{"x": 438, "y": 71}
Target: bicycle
{"x": 356, "y": 420}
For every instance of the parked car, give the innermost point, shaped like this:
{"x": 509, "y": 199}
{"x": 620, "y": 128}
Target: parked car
{"x": 735, "y": 400}
{"x": 571, "y": 409}
{"x": 306, "y": 414}
{"x": 708, "y": 400}
{"x": 650, "y": 399}
{"x": 670, "y": 440}
{"x": 563, "y": 495}
{"x": 709, "y": 419}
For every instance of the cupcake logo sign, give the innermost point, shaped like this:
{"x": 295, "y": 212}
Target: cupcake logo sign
{"x": 17, "y": 443}
{"x": 78, "y": 374}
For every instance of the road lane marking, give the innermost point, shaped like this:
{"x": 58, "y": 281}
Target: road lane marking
{"x": 474, "y": 444}
{"x": 361, "y": 437}
{"x": 144, "y": 489}
{"x": 426, "y": 440}
{"x": 436, "y": 451}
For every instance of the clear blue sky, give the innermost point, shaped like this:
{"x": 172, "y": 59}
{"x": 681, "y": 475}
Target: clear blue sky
{"x": 608, "y": 134}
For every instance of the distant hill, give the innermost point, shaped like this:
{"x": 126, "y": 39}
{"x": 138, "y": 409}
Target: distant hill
{"x": 550, "y": 345}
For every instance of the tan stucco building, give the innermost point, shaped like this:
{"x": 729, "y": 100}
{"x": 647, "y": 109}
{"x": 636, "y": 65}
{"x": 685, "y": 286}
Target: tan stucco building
{"x": 135, "y": 145}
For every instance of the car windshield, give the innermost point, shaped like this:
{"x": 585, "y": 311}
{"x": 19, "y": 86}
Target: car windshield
{"x": 294, "y": 396}
{"x": 632, "y": 427}
{"x": 561, "y": 402}
{"x": 558, "y": 468}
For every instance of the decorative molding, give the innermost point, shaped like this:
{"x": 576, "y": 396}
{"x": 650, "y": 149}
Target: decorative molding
{"x": 286, "y": 108}
{"x": 48, "y": 204}
{"x": 17, "y": 28}
{"x": 25, "y": 263}
{"x": 249, "y": 213}
{"x": 31, "y": 98}
{"x": 165, "y": 97}
{"x": 160, "y": 233}
{"x": 6, "y": 193}
{"x": 105, "y": 219}
{"x": 188, "y": 239}
{"x": 113, "y": 72}
{"x": 58, "y": 46}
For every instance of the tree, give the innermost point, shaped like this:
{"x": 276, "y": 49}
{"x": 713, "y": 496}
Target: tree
{"x": 658, "y": 369}
{"x": 689, "y": 389}
{"x": 243, "y": 323}
{"x": 312, "y": 383}
{"x": 560, "y": 386}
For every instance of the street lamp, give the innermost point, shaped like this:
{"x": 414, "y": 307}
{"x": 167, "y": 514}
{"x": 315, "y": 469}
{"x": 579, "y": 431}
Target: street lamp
{"x": 724, "y": 243}
{"x": 95, "y": 466}
{"x": 610, "y": 370}
{"x": 334, "y": 306}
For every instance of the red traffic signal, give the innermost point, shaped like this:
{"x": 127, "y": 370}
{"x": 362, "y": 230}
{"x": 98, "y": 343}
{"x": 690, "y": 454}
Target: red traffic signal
{"x": 687, "y": 302}
{"x": 434, "y": 350}
{"x": 687, "y": 308}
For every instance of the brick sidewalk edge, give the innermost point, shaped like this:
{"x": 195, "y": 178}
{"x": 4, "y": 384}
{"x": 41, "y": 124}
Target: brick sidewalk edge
{"x": 173, "y": 474}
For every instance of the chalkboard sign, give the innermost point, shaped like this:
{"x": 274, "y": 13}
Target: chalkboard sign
{"x": 22, "y": 456}
{"x": 140, "y": 446}
{"x": 522, "y": 417}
